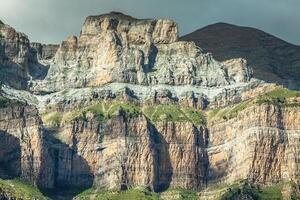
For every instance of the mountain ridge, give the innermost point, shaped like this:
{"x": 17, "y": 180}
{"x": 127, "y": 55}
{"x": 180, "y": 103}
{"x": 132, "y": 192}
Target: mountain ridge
{"x": 271, "y": 58}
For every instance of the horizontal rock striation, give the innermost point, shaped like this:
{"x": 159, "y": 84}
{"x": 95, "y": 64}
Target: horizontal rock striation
{"x": 23, "y": 149}
{"x": 260, "y": 144}
{"x": 125, "y": 152}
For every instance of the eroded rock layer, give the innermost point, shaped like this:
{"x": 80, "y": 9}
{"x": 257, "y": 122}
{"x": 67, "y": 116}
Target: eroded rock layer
{"x": 23, "y": 149}
{"x": 260, "y": 144}
{"x": 126, "y": 104}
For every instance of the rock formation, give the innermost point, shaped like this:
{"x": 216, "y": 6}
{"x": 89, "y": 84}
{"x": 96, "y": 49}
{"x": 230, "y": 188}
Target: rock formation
{"x": 125, "y": 105}
{"x": 23, "y": 149}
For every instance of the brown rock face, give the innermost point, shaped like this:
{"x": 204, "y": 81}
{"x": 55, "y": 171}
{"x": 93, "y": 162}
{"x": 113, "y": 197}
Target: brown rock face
{"x": 260, "y": 145}
{"x": 14, "y": 57}
{"x": 45, "y": 51}
{"x": 124, "y": 97}
{"x": 122, "y": 152}
{"x": 23, "y": 150}
{"x": 137, "y": 31}
{"x": 118, "y": 48}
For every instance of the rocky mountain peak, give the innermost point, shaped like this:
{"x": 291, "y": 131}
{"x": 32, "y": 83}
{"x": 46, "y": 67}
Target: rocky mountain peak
{"x": 137, "y": 30}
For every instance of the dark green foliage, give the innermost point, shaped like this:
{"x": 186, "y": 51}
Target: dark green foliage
{"x": 18, "y": 189}
{"x": 278, "y": 97}
{"x": 254, "y": 191}
{"x": 174, "y": 113}
{"x": 4, "y": 102}
{"x": 131, "y": 194}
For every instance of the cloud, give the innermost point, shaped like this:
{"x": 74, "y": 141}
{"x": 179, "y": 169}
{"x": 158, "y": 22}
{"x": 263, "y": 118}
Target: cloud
{"x": 51, "y": 21}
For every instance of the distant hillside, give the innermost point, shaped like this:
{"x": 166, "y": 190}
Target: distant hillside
{"x": 271, "y": 58}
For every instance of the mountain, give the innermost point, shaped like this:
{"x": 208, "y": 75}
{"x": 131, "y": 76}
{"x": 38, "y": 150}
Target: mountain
{"x": 271, "y": 58}
{"x": 127, "y": 111}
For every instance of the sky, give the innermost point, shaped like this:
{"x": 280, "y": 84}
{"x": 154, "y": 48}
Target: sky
{"x": 52, "y": 21}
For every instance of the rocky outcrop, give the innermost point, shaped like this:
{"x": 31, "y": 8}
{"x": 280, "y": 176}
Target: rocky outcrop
{"x": 44, "y": 51}
{"x": 14, "y": 57}
{"x": 23, "y": 149}
{"x": 123, "y": 105}
{"x": 126, "y": 152}
{"x": 118, "y": 48}
{"x": 260, "y": 145}
{"x": 162, "y": 31}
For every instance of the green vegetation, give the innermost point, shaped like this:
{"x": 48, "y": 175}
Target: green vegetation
{"x": 52, "y": 120}
{"x": 4, "y": 102}
{"x": 138, "y": 193}
{"x": 131, "y": 194}
{"x": 173, "y": 113}
{"x": 180, "y": 194}
{"x": 229, "y": 113}
{"x": 279, "y": 97}
{"x": 104, "y": 110}
{"x": 256, "y": 192}
{"x": 19, "y": 189}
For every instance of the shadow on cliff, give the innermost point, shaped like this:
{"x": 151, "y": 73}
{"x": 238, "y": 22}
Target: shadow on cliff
{"x": 71, "y": 172}
{"x": 38, "y": 71}
{"x": 212, "y": 174}
{"x": 10, "y": 156}
{"x": 163, "y": 165}
{"x": 151, "y": 60}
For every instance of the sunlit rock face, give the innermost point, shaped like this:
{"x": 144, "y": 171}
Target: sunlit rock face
{"x": 24, "y": 150}
{"x": 118, "y": 48}
{"x": 260, "y": 145}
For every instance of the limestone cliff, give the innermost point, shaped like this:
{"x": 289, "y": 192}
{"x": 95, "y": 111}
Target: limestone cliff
{"x": 118, "y": 48}
{"x": 126, "y": 105}
{"x": 259, "y": 144}
{"x": 23, "y": 149}
{"x": 122, "y": 153}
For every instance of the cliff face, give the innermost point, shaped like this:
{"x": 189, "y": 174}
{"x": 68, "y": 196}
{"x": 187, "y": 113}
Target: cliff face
{"x": 119, "y": 48}
{"x": 14, "y": 57}
{"x": 125, "y": 152}
{"x": 23, "y": 150}
{"x": 125, "y": 104}
{"x": 260, "y": 144}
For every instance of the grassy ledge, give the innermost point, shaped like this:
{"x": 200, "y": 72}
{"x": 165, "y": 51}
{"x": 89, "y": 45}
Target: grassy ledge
{"x": 278, "y": 97}
{"x": 18, "y": 189}
{"x": 174, "y": 113}
{"x": 103, "y": 111}
{"x": 138, "y": 193}
{"x": 131, "y": 194}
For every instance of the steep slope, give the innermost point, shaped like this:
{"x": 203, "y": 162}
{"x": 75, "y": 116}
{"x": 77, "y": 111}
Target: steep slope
{"x": 272, "y": 59}
{"x": 23, "y": 148}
